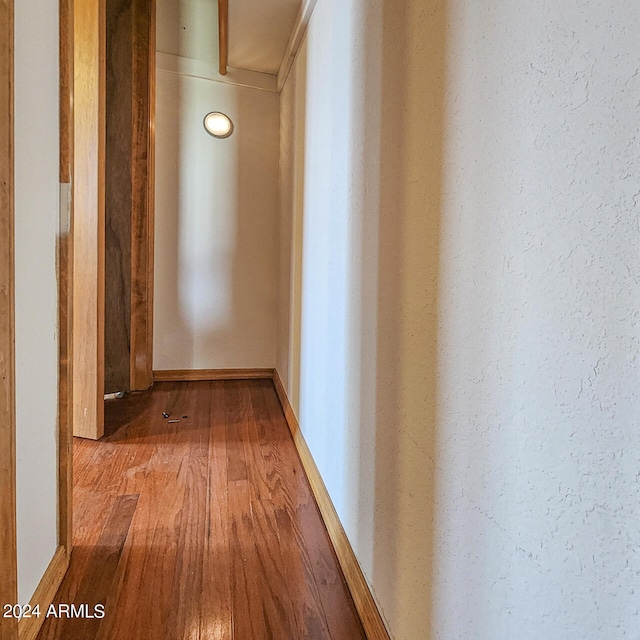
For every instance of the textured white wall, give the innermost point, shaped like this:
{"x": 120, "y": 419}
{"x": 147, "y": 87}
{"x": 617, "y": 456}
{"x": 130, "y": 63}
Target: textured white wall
{"x": 467, "y": 243}
{"x": 216, "y": 247}
{"x": 36, "y": 230}
{"x": 540, "y": 406}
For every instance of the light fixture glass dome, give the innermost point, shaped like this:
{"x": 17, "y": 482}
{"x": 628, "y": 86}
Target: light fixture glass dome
{"x": 218, "y": 124}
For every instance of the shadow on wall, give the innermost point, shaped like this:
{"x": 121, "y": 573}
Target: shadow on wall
{"x": 291, "y": 229}
{"x": 404, "y": 255}
{"x": 367, "y": 226}
{"x": 216, "y": 227}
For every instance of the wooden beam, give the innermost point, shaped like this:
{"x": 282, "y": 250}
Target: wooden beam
{"x": 223, "y": 34}
{"x": 8, "y": 555}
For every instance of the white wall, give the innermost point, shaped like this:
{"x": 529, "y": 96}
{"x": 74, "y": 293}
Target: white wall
{"x": 540, "y": 336}
{"x": 216, "y": 220}
{"x": 463, "y": 349}
{"x": 188, "y": 28}
{"x": 36, "y": 229}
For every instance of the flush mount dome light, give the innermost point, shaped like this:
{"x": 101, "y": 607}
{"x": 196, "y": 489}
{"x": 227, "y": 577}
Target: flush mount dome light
{"x": 218, "y": 125}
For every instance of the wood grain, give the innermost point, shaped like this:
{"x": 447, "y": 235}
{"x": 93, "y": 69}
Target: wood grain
{"x": 89, "y": 222}
{"x": 225, "y": 540}
{"x": 183, "y": 375}
{"x": 8, "y": 557}
{"x": 223, "y": 35}
{"x": 362, "y": 597}
{"x": 66, "y": 90}
{"x": 28, "y": 628}
{"x": 142, "y": 174}
{"x": 101, "y": 563}
{"x": 145, "y": 379}
{"x": 65, "y": 285}
{"x": 129, "y": 209}
{"x": 288, "y": 493}
{"x": 316, "y": 558}
{"x": 119, "y": 210}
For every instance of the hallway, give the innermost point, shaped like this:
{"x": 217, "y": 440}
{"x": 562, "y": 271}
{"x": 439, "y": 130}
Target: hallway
{"x": 422, "y": 220}
{"x": 201, "y": 529}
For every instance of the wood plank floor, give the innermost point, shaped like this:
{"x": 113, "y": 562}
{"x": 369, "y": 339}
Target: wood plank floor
{"x": 203, "y": 529}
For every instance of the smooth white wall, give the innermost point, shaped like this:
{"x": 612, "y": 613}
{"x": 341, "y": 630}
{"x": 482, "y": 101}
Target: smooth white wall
{"x": 36, "y": 230}
{"x": 463, "y": 349}
{"x": 216, "y": 231}
{"x": 188, "y": 28}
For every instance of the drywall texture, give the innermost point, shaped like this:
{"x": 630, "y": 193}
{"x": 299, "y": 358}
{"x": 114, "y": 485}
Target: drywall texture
{"x": 36, "y": 230}
{"x": 463, "y": 347}
{"x": 216, "y": 231}
{"x": 540, "y": 308}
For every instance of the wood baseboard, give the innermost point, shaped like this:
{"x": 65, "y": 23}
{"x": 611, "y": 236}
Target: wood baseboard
{"x": 362, "y": 597}
{"x": 190, "y": 375}
{"x": 28, "y": 628}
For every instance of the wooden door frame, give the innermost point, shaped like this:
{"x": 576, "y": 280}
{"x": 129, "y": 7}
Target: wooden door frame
{"x": 8, "y": 532}
{"x": 88, "y": 178}
{"x": 142, "y": 237}
{"x": 143, "y": 196}
{"x": 90, "y": 54}
{"x": 65, "y": 283}
{"x": 8, "y": 543}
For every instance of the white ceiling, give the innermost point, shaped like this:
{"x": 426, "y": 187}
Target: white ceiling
{"x": 259, "y": 31}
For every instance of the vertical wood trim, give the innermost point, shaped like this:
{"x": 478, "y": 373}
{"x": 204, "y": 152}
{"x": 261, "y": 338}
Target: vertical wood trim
{"x": 143, "y": 96}
{"x": 223, "y": 35}
{"x": 65, "y": 284}
{"x": 89, "y": 217}
{"x": 151, "y": 186}
{"x": 8, "y": 549}
{"x": 139, "y": 192}
{"x": 362, "y": 597}
{"x": 119, "y": 203}
{"x": 102, "y": 146}
{"x": 66, "y": 90}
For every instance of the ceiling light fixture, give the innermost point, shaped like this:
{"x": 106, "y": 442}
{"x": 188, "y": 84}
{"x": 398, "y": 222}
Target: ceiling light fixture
{"x": 218, "y": 124}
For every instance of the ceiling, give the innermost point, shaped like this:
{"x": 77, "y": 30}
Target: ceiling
{"x": 259, "y": 31}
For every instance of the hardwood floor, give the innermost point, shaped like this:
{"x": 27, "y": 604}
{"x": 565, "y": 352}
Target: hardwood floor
{"x": 203, "y": 529}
